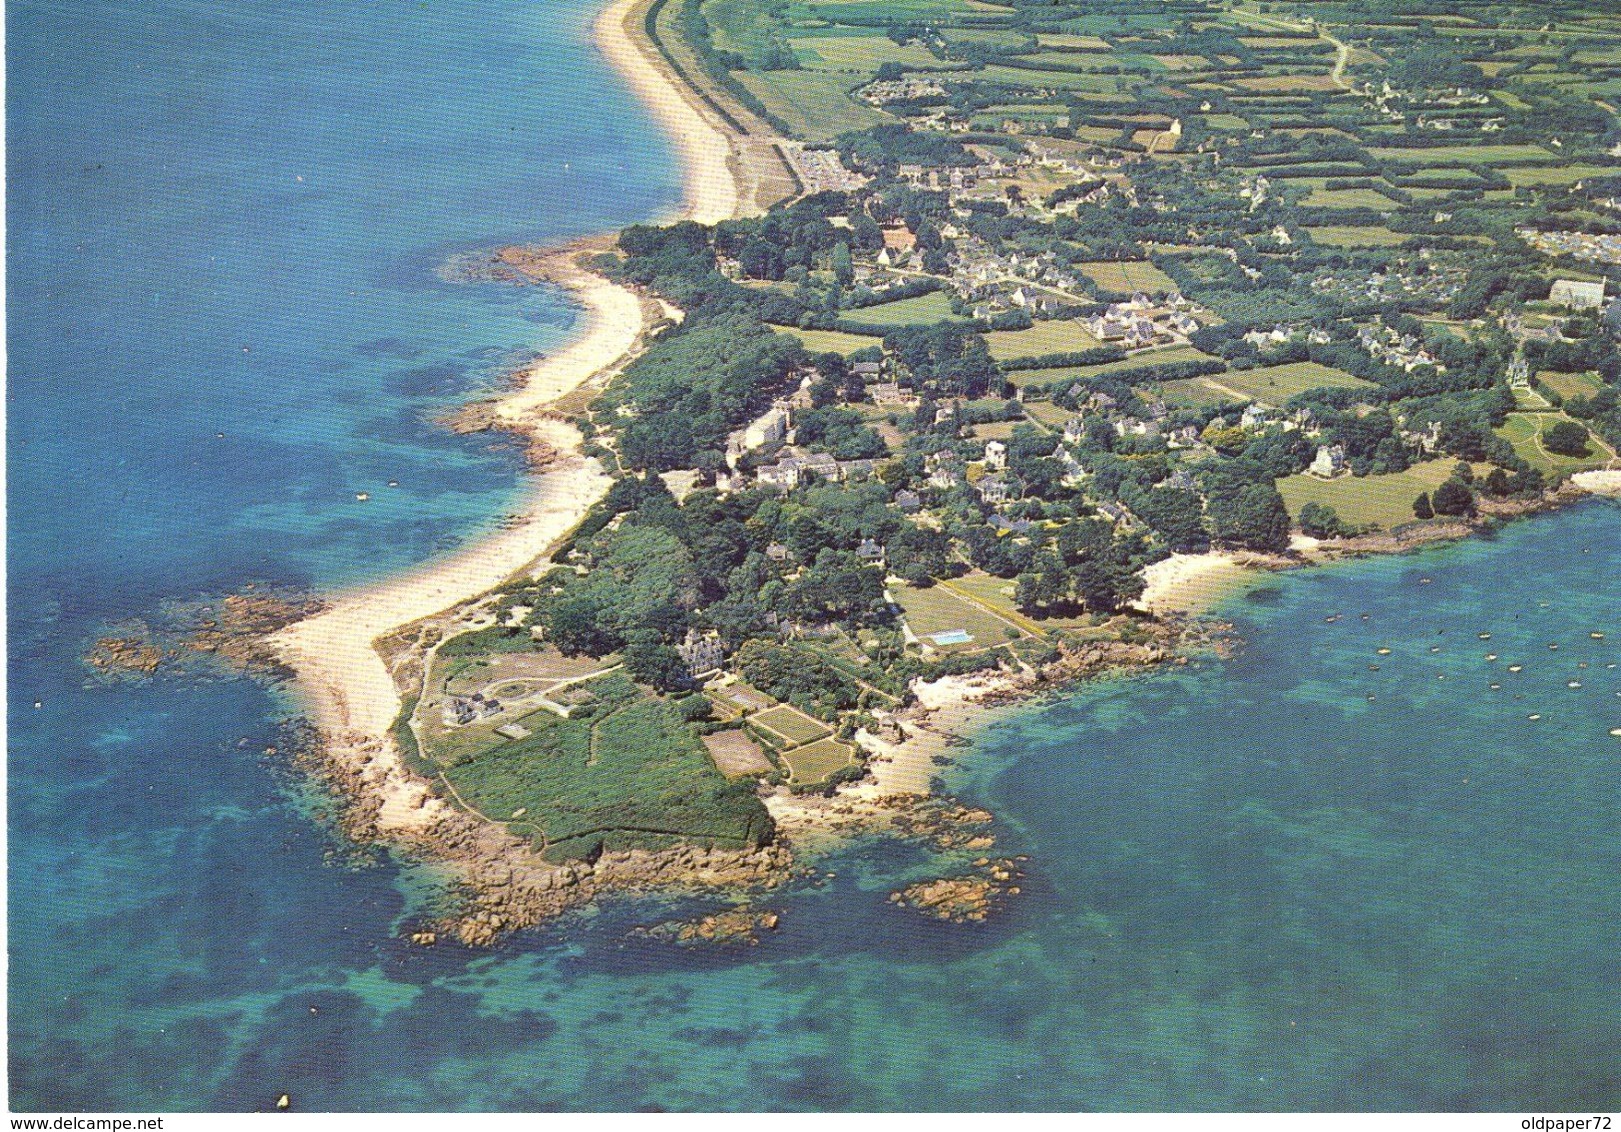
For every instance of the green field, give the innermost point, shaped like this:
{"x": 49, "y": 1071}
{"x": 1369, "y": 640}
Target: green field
{"x": 1472, "y": 154}
{"x": 938, "y": 610}
{"x": 1276, "y": 384}
{"x": 997, "y": 593}
{"x": 626, "y": 770}
{"x": 918, "y": 310}
{"x": 1128, "y": 276}
{"x": 813, "y": 763}
{"x": 1349, "y": 198}
{"x": 1572, "y": 384}
{"x": 1380, "y": 501}
{"x": 1559, "y": 175}
{"x": 859, "y": 54}
{"x": 1351, "y": 236}
{"x": 1197, "y": 392}
{"x": 790, "y": 723}
{"x": 1135, "y": 361}
{"x": 830, "y": 341}
{"x": 1060, "y": 336}
{"x": 816, "y": 105}
{"x": 1524, "y": 431}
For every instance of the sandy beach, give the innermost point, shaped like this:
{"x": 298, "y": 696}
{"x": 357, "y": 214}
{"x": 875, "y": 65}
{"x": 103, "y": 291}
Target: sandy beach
{"x": 347, "y": 689}
{"x": 1189, "y": 583}
{"x": 709, "y": 169}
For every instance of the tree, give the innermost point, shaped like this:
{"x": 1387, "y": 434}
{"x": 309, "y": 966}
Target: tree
{"x": 649, "y": 660}
{"x": 1422, "y": 507}
{"x": 1453, "y": 498}
{"x": 1254, "y": 516}
{"x": 1497, "y": 482}
{"x": 1566, "y": 438}
{"x": 1321, "y": 521}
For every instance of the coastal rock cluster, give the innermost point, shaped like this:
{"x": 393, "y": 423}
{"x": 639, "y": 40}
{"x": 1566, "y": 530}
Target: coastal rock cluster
{"x": 963, "y": 899}
{"x": 737, "y": 927}
{"x": 201, "y": 637}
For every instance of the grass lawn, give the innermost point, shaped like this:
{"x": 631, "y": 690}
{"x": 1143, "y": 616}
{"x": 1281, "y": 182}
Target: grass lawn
{"x": 1471, "y": 154}
{"x": 997, "y": 593}
{"x": 1572, "y": 384}
{"x": 1045, "y": 412}
{"x": 813, "y": 763}
{"x": 1336, "y": 236}
{"x": 1128, "y": 275}
{"x": 1524, "y": 431}
{"x": 628, "y": 772}
{"x": 1276, "y": 384}
{"x": 790, "y": 723}
{"x": 938, "y": 610}
{"x": 862, "y": 54}
{"x": 816, "y": 105}
{"x": 1059, "y": 336}
{"x": 736, "y": 753}
{"x": 1383, "y": 501}
{"x": 830, "y": 341}
{"x": 920, "y": 310}
{"x": 1559, "y": 175}
{"x": 1196, "y": 392}
{"x": 1349, "y": 198}
{"x": 1081, "y": 373}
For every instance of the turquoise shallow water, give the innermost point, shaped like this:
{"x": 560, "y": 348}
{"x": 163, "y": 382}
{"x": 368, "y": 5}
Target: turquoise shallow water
{"x": 1251, "y": 887}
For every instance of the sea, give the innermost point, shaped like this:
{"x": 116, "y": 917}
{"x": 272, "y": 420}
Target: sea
{"x": 1315, "y": 874}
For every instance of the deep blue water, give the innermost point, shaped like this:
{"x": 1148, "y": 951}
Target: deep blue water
{"x": 1251, "y": 886}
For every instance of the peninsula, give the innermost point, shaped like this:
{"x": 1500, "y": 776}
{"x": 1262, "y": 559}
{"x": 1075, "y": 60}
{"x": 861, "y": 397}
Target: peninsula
{"x": 988, "y": 340}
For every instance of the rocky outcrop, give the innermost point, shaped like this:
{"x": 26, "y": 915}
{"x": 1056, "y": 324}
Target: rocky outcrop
{"x": 740, "y": 927}
{"x": 963, "y": 899}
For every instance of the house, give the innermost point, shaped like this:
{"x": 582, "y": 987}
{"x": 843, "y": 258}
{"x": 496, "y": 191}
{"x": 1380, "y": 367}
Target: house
{"x": 994, "y": 489}
{"x": 783, "y": 476}
{"x": 819, "y": 464}
{"x": 995, "y": 455}
{"x": 870, "y": 552}
{"x": 856, "y": 469}
{"x": 1577, "y": 295}
{"x": 1330, "y": 462}
{"x": 1074, "y": 430}
{"x": 908, "y": 501}
{"x": 866, "y": 370}
{"x": 888, "y": 393}
{"x": 1253, "y": 417}
{"x": 777, "y": 552}
{"x": 1179, "y": 323}
{"x": 768, "y": 430}
{"x": 701, "y": 653}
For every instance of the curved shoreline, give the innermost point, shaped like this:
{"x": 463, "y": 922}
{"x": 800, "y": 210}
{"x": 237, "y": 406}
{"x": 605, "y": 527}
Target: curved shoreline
{"x": 341, "y": 678}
